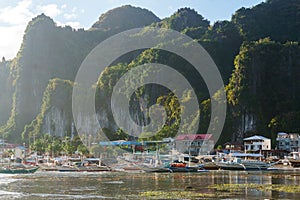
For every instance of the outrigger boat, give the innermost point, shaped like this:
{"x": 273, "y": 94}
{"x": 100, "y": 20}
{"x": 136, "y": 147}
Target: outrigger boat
{"x": 240, "y": 164}
{"x": 183, "y": 167}
{"x": 18, "y": 169}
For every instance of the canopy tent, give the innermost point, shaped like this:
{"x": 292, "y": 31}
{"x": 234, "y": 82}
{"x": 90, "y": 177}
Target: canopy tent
{"x": 119, "y": 143}
{"x": 246, "y": 155}
{"x": 131, "y": 143}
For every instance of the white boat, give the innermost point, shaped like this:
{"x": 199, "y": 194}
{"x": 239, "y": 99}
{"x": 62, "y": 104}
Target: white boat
{"x": 239, "y": 164}
{"x": 242, "y": 161}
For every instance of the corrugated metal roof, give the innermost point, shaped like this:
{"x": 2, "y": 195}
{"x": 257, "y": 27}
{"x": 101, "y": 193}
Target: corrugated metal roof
{"x": 119, "y": 142}
{"x": 194, "y": 137}
{"x": 256, "y": 137}
{"x": 282, "y": 133}
{"x": 246, "y": 155}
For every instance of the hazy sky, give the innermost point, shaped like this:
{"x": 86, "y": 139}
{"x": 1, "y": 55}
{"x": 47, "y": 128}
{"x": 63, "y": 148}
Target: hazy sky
{"x": 15, "y": 14}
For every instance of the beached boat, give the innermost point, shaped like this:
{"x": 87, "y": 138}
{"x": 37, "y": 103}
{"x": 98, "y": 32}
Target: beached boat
{"x": 83, "y": 169}
{"x": 210, "y": 166}
{"x": 156, "y": 169}
{"x": 88, "y": 165}
{"x": 182, "y": 167}
{"x": 239, "y": 164}
{"x": 18, "y": 169}
{"x": 294, "y": 159}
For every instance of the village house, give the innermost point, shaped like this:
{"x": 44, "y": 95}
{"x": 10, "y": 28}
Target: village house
{"x": 257, "y": 143}
{"x": 195, "y": 144}
{"x": 8, "y": 147}
{"x": 233, "y": 146}
{"x": 288, "y": 141}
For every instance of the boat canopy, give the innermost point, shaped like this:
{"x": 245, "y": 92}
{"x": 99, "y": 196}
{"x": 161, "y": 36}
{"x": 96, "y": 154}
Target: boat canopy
{"x": 246, "y": 155}
{"x": 119, "y": 143}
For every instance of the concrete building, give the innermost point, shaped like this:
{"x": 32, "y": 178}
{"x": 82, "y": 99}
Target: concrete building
{"x": 20, "y": 152}
{"x": 257, "y": 143}
{"x": 288, "y": 141}
{"x": 195, "y": 144}
{"x": 233, "y": 146}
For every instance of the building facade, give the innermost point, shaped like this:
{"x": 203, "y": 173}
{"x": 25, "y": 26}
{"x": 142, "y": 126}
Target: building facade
{"x": 257, "y": 143}
{"x": 288, "y": 141}
{"x": 195, "y": 144}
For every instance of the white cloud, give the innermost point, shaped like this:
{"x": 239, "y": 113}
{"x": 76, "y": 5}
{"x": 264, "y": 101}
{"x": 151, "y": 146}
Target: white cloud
{"x": 14, "y": 19}
{"x": 74, "y": 9}
{"x": 51, "y": 10}
{"x": 69, "y": 16}
{"x": 64, "y": 6}
{"x": 17, "y": 15}
{"x": 73, "y": 14}
{"x": 55, "y": 12}
{"x": 10, "y": 41}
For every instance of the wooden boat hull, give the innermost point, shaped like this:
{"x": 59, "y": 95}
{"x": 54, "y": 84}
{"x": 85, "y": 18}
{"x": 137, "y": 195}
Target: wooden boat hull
{"x": 294, "y": 163}
{"x": 210, "y": 166}
{"x": 184, "y": 169}
{"x": 19, "y": 171}
{"x": 83, "y": 169}
{"x": 157, "y": 170}
{"x": 238, "y": 166}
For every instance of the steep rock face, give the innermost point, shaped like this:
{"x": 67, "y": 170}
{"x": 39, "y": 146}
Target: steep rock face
{"x": 264, "y": 85}
{"x": 55, "y": 116}
{"x": 47, "y": 51}
{"x": 244, "y": 124}
{"x": 56, "y": 122}
{"x": 7, "y": 77}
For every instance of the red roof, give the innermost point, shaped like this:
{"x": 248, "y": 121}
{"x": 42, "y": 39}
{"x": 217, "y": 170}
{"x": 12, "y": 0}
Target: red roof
{"x": 11, "y": 146}
{"x": 194, "y": 137}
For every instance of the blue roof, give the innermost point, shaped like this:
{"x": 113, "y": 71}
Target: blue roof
{"x": 119, "y": 143}
{"x": 21, "y": 147}
{"x": 109, "y": 143}
{"x": 246, "y": 155}
{"x": 131, "y": 143}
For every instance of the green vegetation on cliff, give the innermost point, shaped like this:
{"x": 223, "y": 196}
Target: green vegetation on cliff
{"x": 257, "y": 54}
{"x": 265, "y": 84}
{"x": 125, "y": 18}
{"x": 57, "y": 98}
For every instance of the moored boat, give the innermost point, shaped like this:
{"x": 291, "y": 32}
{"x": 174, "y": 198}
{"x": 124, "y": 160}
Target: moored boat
{"x": 157, "y": 169}
{"x": 239, "y": 164}
{"x": 294, "y": 159}
{"x": 18, "y": 169}
{"x": 210, "y": 166}
{"x": 182, "y": 167}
